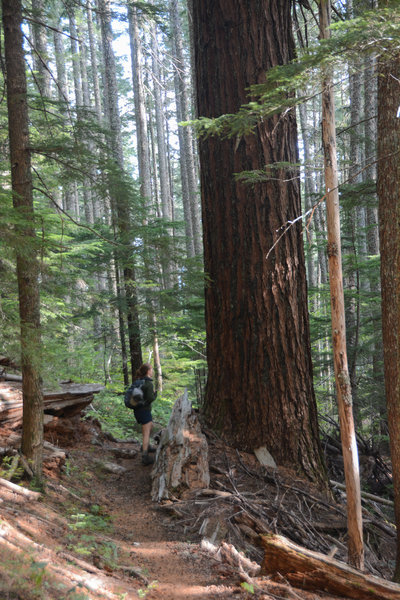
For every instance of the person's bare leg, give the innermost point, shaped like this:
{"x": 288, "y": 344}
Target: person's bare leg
{"x": 146, "y": 430}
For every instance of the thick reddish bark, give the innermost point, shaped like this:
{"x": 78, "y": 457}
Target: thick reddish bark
{"x": 259, "y": 389}
{"x": 389, "y": 233}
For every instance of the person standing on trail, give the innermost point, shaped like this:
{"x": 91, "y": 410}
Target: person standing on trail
{"x": 143, "y": 414}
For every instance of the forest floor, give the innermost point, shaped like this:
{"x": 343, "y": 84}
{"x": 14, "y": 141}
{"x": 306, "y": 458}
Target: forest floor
{"x": 96, "y": 534}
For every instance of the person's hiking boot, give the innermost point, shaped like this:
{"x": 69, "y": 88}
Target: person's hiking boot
{"x": 149, "y": 449}
{"x": 146, "y": 459}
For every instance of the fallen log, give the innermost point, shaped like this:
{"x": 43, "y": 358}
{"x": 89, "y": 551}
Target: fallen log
{"x": 68, "y": 400}
{"x": 313, "y": 571}
{"x": 21, "y": 491}
{"x": 6, "y": 361}
{"x": 68, "y": 574}
{"x": 10, "y": 377}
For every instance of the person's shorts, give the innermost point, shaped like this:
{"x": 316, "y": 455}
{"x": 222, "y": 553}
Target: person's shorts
{"x": 143, "y": 415}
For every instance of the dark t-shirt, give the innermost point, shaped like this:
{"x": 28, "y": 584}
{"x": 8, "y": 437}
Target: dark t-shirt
{"x": 149, "y": 394}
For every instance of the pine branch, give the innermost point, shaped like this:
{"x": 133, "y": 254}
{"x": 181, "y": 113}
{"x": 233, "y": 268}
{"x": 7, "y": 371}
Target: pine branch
{"x": 289, "y": 224}
{"x": 36, "y": 22}
{"x": 82, "y": 225}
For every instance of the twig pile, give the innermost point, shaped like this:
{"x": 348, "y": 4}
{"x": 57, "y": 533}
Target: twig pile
{"x": 245, "y": 500}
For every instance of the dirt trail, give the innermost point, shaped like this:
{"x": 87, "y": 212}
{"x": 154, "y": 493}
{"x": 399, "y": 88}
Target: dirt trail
{"x": 171, "y": 558}
{"x": 152, "y": 559}
{"x": 144, "y": 554}
{"x": 157, "y": 548}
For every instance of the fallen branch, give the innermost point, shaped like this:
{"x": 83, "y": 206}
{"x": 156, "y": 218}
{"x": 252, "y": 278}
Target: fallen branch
{"x": 214, "y": 493}
{"x": 134, "y": 572}
{"x": 62, "y": 489}
{"x": 365, "y": 495}
{"x": 228, "y": 555}
{"x": 310, "y": 570}
{"x": 79, "y": 562}
{"x": 26, "y": 465}
{"x": 17, "y": 489}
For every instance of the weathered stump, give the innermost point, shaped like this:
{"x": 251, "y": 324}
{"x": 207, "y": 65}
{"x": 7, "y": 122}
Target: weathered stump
{"x": 182, "y": 455}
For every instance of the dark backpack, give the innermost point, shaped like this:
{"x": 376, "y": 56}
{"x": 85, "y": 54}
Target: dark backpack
{"x": 134, "y": 397}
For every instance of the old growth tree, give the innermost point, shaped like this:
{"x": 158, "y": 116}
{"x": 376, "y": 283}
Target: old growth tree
{"x": 259, "y": 389}
{"x": 389, "y": 237}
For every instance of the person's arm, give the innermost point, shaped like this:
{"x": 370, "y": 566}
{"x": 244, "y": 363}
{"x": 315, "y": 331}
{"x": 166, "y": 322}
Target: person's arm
{"x": 149, "y": 393}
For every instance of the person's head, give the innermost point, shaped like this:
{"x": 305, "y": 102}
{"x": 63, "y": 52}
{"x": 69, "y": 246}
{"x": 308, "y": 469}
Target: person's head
{"x": 145, "y": 370}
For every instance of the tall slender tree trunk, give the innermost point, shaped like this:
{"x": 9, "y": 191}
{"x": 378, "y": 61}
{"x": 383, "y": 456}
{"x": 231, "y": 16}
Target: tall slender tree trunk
{"x": 185, "y": 137}
{"x": 355, "y": 233}
{"x": 389, "y": 233}
{"x": 369, "y": 176}
{"x": 310, "y": 191}
{"x": 77, "y": 90}
{"x": 68, "y": 200}
{"x": 343, "y": 387}
{"x": 98, "y": 209}
{"x": 27, "y": 262}
{"x": 86, "y": 104}
{"x": 118, "y": 199}
{"x": 259, "y": 390}
{"x": 94, "y": 63}
{"x": 140, "y": 106}
{"x": 162, "y": 152}
{"x": 144, "y": 160}
{"x": 40, "y": 48}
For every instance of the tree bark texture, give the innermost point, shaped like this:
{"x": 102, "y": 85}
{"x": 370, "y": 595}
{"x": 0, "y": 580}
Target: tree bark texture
{"x": 259, "y": 389}
{"x": 389, "y": 234}
{"x": 342, "y": 378}
{"x": 310, "y": 570}
{"x": 27, "y": 263}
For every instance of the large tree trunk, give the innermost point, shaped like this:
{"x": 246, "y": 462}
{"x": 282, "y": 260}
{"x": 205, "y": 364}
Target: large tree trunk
{"x": 259, "y": 389}
{"x": 27, "y": 263}
{"x": 389, "y": 231}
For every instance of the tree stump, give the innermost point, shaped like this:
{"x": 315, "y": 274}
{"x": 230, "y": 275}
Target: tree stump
{"x": 182, "y": 455}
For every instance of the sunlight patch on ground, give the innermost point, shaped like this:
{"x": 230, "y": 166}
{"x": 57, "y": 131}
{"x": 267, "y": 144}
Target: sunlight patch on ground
{"x": 191, "y": 592}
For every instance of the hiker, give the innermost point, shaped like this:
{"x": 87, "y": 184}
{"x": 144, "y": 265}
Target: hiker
{"x": 143, "y": 414}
